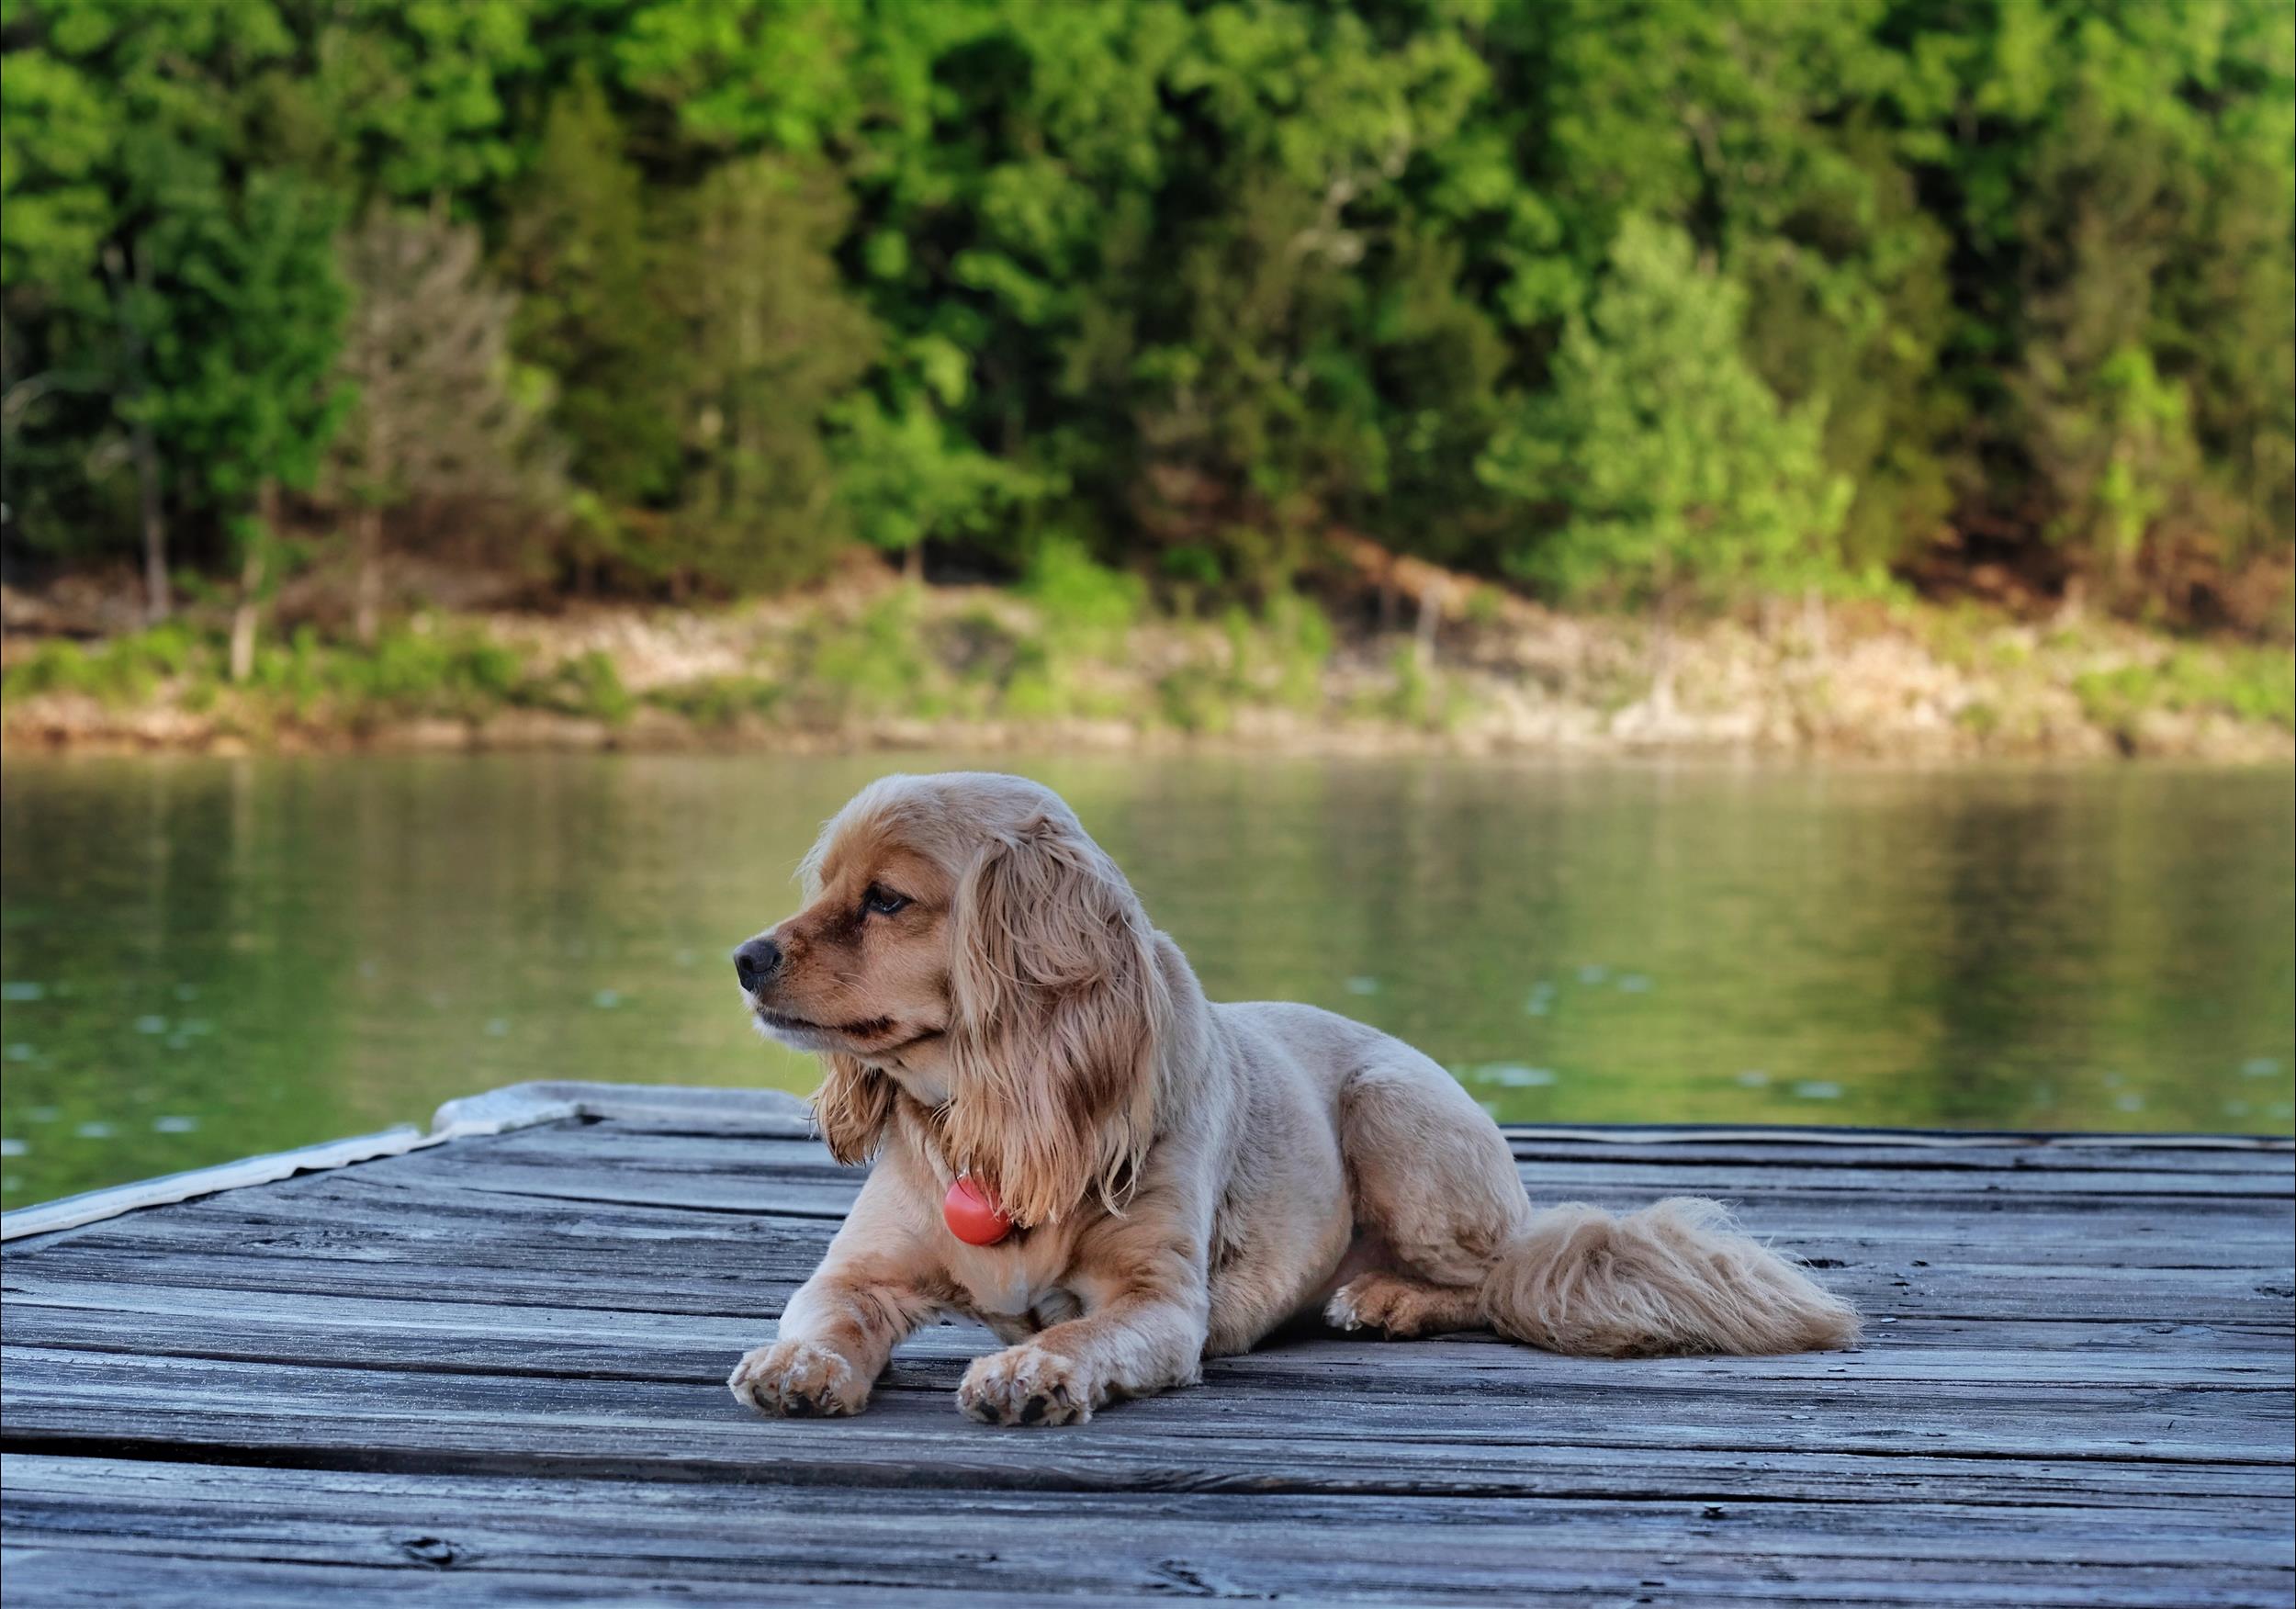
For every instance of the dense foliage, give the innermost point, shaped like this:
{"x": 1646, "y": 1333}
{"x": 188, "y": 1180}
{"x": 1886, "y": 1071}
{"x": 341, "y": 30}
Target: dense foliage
{"x": 1687, "y": 296}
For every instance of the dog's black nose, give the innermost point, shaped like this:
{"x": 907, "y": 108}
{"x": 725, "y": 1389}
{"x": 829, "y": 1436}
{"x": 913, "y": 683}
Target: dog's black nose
{"x": 756, "y": 962}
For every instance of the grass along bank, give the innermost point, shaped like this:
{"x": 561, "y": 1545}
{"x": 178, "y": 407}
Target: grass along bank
{"x": 1075, "y": 656}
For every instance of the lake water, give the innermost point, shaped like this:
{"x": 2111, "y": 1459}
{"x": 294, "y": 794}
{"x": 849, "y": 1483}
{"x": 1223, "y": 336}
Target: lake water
{"x": 208, "y": 958}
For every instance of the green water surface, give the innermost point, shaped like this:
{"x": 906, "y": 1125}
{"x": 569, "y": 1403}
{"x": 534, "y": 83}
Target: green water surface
{"x": 208, "y": 958}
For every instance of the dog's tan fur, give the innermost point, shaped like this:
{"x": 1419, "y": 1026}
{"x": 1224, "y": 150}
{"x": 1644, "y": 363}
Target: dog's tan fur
{"x": 1184, "y": 1175}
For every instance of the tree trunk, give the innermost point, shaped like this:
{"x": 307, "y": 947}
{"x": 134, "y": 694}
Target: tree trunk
{"x": 243, "y": 614}
{"x": 368, "y": 621}
{"x": 1662, "y": 655}
{"x": 1423, "y": 629}
{"x": 246, "y": 614}
{"x": 2073, "y": 604}
{"x": 158, "y": 604}
{"x": 367, "y": 609}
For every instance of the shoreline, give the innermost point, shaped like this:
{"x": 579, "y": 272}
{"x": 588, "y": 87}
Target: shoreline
{"x": 66, "y": 733}
{"x": 874, "y": 664}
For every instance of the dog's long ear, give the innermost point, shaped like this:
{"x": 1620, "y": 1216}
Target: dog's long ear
{"x": 853, "y": 1104}
{"x": 852, "y": 1108}
{"x": 1059, "y": 1015}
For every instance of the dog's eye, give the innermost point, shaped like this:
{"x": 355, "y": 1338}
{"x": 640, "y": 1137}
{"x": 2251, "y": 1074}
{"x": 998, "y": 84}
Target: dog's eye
{"x": 883, "y": 901}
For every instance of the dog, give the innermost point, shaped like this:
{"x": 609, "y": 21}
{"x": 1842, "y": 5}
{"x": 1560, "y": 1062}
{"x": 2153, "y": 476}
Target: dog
{"x": 990, "y": 1002}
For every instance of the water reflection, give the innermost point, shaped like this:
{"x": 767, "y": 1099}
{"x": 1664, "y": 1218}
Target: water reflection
{"x": 206, "y": 958}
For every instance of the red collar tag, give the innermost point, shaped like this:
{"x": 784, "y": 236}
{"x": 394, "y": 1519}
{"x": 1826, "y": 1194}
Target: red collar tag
{"x": 972, "y": 1215}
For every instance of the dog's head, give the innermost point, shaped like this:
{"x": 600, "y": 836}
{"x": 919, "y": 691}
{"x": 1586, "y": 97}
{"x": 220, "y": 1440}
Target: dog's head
{"x": 965, "y": 925}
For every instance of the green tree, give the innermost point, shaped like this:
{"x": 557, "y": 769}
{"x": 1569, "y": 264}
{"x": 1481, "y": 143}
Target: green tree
{"x": 908, "y": 474}
{"x": 2110, "y": 173}
{"x": 581, "y": 249}
{"x": 244, "y": 320}
{"x": 1666, "y": 466}
{"x": 1198, "y": 285}
{"x": 439, "y": 414}
{"x": 2106, "y": 434}
{"x": 404, "y": 101}
{"x": 127, "y": 194}
{"x": 770, "y": 344}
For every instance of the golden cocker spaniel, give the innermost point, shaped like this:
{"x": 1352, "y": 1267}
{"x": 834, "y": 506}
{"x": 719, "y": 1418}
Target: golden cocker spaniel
{"x": 1179, "y": 1176}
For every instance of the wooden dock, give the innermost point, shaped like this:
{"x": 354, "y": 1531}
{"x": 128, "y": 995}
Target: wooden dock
{"x": 486, "y": 1365}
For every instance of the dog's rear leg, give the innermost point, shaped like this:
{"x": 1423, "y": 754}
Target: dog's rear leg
{"x": 1432, "y": 1174}
{"x": 1402, "y": 1307}
{"x": 1435, "y": 1192}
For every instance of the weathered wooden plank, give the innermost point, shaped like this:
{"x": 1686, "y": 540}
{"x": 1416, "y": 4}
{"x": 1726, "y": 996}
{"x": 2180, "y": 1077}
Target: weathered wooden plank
{"x": 1789, "y": 1148}
{"x": 157, "y": 1502}
{"x": 556, "y": 1263}
{"x": 664, "y": 1105}
{"x": 493, "y": 1112}
{"x": 469, "y": 1337}
{"x": 71, "y": 1578}
{"x": 872, "y": 1453}
{"x": 2197, "y": 1226}
{"x": 1791, "y": 1200}
{"x": 49, "y": 1576}
{"x": 1565, "y": 1474}
{"x": 783, "y": 1160}
{"x": 719, "y": 1112}
{"x": 828, "y": 1196}
{"x": 2269, "y": 1159}
{"x": 96, "y": 1205}
{"x": 1234, "y": 1544}
{"x": 703, "y": 1160}
{"x": 53, "y": 1394}
{"x": 738, "y": 1292}
{"x": 739, "y": 1154}
{"x": 2193, "y": 1234}
{"x": 790, "y": 1119}
{"x": 610, "y": 1243}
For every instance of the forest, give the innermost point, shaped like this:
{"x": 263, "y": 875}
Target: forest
{"x": 1681, "y": 301}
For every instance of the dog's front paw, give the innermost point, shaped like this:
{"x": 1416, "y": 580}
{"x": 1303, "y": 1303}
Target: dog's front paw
{"x": 1025, "y": 1385}
{"x": 798, "y": 1378}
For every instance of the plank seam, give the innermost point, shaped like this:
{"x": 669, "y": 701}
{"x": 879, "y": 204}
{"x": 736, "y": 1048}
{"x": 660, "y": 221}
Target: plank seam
{"x": 961, "y": 1476}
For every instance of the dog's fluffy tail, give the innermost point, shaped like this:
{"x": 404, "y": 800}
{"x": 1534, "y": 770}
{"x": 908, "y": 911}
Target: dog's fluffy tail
{"x": 1680, "y": 1276}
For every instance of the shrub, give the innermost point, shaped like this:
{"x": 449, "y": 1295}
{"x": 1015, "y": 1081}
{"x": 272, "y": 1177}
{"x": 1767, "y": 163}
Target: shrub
{"x": 586, "y": 684}
{"x": 2252, "y": 684}
{"x": 121, "y": 671}
{"x": 873, "y": 665}
{"x": 1083, "y": 602}
{"x": 719, "y": 701}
